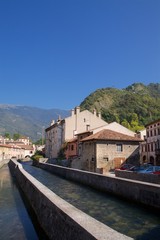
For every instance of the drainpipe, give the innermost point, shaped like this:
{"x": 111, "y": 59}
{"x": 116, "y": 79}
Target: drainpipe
{"x": 95, "y": 158}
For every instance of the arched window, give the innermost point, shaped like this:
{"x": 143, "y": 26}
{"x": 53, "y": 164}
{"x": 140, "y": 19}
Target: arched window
{"x": 144, "y": 159}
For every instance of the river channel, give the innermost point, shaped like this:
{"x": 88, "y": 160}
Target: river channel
{"x": 17, "y": 220}
{"x": 123, "y": 216}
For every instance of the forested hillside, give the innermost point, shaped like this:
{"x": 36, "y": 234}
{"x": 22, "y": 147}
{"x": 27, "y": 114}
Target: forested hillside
{"x": 133, "y": 106}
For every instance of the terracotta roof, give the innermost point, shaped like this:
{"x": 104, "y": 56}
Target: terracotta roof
{"x": 72, "y": 140}
{"x": 82, "y": 133}
{"x": 10, "y": 146}
{"x": 26, "y": 147}
{"x": 107, "y": 134}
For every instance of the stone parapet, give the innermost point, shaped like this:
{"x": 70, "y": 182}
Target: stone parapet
{"x": 144, "y": 193}
{"x": 144, "y": 177}
{"x": 59, "y": 219}
{"x": 3, "y": 162}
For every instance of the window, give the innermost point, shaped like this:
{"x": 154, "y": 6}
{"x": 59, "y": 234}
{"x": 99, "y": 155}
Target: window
{"x": 119, "y": 148}
{"x": 106, "y": 159}
{"x": 151, "y": 147}
{"x": 87, "y": 127}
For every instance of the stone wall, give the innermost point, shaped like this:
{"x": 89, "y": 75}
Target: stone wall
{"x": 3, "y": 162}
{"x": 59, "y": 219}
{"x": 150, "y": 178}
{"x": 141, "y": 192}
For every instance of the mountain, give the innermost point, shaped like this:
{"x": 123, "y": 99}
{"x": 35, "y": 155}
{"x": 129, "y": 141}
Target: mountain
{"x": 27, "y": 121}
{"x": 133, "y": 107}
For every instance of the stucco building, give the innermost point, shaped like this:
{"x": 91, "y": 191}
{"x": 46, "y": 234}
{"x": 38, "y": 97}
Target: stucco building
{"x": 63, "y": 130}
{"x": 150, "y": 148}
{"x": 111, "y": 126}
{"x": 7, "y": 151}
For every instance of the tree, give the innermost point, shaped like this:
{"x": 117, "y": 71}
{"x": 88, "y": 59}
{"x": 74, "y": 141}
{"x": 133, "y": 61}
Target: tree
{"x": 40, "y": 141}
{"x": 7, "y": 135}
{"x": 126, "y": 124}
{"x": 16, "y": 136}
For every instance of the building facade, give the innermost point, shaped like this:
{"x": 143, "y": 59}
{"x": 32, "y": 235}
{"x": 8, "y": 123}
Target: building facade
{"x": 150, "y": 148}
{"x": 111, "y": 126}
{"x": 8, "y": 151}
{"x": 107, "y": 150}
{"x": 64, "y": 130}
{"x": 19, "y": 148}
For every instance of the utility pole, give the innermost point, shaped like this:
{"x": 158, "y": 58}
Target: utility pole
{"x": 42, "y": 134}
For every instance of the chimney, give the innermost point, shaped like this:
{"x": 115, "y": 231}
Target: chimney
{"x": 99, "y": 115}
{"x": 94, "y": 112}
{"x": 59, "y": 118}
{"x": 52, "y": 122}
{"x": 77, "y": 110}
{"x": 72, "y": 112}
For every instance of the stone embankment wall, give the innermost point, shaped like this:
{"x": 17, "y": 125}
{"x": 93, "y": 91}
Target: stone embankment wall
{"x": 141, "y": 192}
{"x": 3, "y": 162}
{"x": 59, "y": 219}
{"x": 151, "y": 178}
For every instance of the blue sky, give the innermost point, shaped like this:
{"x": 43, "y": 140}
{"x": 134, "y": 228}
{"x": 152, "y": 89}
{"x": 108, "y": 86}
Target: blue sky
{"x": 54, "y": 53}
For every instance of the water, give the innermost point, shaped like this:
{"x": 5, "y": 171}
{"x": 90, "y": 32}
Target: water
{"x": 15, "y": 221}
{"x": 125, "y": 217}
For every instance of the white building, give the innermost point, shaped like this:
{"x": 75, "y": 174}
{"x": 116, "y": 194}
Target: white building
{"x": 63, "y": 130}
{"x": 114, "y": 126}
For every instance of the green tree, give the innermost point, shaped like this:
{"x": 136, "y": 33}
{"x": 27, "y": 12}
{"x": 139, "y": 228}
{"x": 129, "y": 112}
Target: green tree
{"x": 16, "y": 136}
{"x": 7, "y": 135}
{"x": 126, "y": 124}
{"x": 40, "y": 141}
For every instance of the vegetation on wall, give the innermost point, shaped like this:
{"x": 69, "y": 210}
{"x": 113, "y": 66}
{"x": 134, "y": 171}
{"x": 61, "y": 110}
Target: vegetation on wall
{"x": 61, "y": 153}
{"x": 133, "y": 107}
{"x": 38, "y": 155}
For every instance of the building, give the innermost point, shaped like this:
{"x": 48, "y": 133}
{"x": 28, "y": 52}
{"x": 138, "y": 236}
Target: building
{"x": 63, "y": 130}
{"x": 150, "y": 148}
{"x": 71, "y": 151}
{"x": 19, "y": 148}
{"x": 8, "y": 151}
{"x": 111, "y": 126}
{"x": 141, "y": 134}
{"x": 107, "y": 150}
{"x": 20, "y": 141}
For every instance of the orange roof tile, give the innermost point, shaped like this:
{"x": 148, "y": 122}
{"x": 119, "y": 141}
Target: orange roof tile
{"x": 107, "y": 134}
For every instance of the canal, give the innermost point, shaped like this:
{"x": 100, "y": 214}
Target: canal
{"x": 123, "y": 216}
{"x": 17, "y": 220}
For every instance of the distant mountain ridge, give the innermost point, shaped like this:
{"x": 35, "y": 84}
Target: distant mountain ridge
{"x": 133, "y": 107}
{"x": 28, "y": 121}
